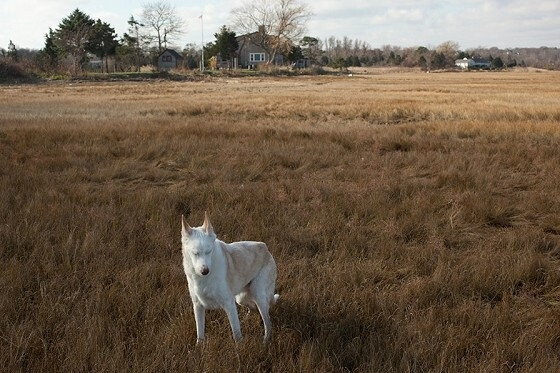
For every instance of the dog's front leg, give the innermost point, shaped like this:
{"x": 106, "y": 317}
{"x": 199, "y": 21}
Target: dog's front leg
{"x": 231, "y": 311}
{"x": 199, "y": 319}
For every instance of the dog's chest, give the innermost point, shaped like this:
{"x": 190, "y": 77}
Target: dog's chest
{"x": 210, "y": 295}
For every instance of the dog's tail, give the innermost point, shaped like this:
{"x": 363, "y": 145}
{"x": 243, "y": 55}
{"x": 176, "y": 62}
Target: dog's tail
{"x": 275, "y": 298}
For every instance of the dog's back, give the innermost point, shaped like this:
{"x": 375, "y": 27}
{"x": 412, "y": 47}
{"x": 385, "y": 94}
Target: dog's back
{"x": 250, "y": 263}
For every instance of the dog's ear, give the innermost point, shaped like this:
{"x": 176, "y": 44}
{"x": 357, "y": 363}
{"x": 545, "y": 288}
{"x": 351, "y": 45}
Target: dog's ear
{"x": 207, "y": 226}
{"x": 186, "y": 228}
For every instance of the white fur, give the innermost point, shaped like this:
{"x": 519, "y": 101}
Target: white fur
{"x": 220, "y": 274}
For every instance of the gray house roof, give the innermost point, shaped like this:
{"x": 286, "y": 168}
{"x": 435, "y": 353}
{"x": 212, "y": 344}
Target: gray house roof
{"x": 172, "y": 52}
{"x": 254, "y": 38}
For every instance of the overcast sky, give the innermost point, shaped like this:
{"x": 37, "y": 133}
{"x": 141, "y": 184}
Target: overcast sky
{"x": 407, "y": 23}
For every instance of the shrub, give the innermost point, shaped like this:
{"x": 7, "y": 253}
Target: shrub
{"x": 317, "y": 70}
{"x": 11, "y": 70}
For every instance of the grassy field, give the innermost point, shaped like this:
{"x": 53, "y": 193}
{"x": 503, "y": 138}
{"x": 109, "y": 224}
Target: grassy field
{"x": 414, "y": 219}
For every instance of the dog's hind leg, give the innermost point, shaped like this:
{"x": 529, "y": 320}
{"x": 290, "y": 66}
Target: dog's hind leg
{"x": 261, "y": 293}
{"x": 263, "y": 306}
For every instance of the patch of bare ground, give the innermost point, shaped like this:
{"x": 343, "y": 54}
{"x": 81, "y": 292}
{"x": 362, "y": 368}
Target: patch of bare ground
{"x": 413, "y": 217}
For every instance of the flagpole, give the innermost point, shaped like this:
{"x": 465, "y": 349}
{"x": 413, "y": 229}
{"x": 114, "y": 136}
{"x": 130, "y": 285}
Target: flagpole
{"x": 202, "y": 29}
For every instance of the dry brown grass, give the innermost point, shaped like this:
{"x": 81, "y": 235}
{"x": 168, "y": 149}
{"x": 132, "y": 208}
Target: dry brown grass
{"x": 413, "y": 217}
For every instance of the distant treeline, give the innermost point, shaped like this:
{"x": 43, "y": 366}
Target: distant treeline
{"x": 129, "y": 54}
{"x": 347, "y": 52}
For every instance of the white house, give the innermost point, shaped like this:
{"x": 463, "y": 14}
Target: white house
{"x": 470, "y": 63}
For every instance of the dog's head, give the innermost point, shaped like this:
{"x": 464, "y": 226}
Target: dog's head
{"x": 198, "y": 245}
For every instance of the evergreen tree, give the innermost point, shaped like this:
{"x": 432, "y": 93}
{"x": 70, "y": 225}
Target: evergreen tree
{"x": 310, "y": 48}
{"x": 339, "y": 63}
{"x": 365, "y": 61}
{"x": 226, "y": 43}
{"x": 130, "y": 49}
{"x": 295, "y": 54}
{"x": 210, "y": 50}
{"x": 73, "y": 38}
{"x": 422, "y": 63}
{"x": 497, "y": 63}
{"x": 438, "y": 60}
{"x": 461, "y": 55}
{"x": 133, "y": 40}
{"x": 394, "y": 59}
{"x": 12, "y": 52}
{"x": 50, "y": 50}
{"x": 103, "y": 42}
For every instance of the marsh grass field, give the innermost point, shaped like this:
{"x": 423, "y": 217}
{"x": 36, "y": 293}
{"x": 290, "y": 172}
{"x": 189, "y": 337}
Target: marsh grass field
{"x": 414, "y": 219}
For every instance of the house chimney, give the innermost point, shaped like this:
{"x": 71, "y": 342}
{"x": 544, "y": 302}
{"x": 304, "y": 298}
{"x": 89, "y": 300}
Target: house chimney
{"x": 261, "y": 29}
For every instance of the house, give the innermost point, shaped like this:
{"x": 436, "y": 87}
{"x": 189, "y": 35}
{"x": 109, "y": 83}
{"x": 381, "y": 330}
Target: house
{"x": 473, "y": 63}
{"x": 169, "y": 59}
{"x": 250, "y": 53}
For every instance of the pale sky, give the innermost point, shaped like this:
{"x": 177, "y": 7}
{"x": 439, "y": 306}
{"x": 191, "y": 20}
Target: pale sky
{"x": 406, "y": 23}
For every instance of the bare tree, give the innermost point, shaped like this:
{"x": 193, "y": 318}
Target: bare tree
{"x": 162, "y": 23}
{"x": 449, "y": 50}
{"x": 280, "y": 23}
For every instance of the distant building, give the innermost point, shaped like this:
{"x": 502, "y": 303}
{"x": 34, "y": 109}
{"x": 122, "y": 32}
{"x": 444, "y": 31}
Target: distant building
{"x": 250, "y": 52}
{"x": 473, "y": 63}
{"x": 169, "y": 59}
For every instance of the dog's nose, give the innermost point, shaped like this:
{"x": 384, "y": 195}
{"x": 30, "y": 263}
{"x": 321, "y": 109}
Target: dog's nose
{"x": 204, "y": 270}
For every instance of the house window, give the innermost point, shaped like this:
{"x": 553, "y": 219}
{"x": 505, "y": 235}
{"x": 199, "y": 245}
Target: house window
{"x": 256, "y": 57}
{"x": 166, "y": 58}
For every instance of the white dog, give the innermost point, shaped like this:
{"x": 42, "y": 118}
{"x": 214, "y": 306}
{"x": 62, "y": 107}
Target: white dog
{"x": 220, "y": 274}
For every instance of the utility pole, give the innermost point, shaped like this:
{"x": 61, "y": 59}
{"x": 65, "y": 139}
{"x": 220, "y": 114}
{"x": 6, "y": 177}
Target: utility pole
{"x": 202, "y": 54}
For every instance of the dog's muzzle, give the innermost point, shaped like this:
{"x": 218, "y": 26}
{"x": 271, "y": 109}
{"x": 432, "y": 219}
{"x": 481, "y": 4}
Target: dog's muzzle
{"x": 204, "y": 270}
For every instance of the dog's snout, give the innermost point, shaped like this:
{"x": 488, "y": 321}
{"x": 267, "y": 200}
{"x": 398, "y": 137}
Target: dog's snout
{"x": 204, "y": 270}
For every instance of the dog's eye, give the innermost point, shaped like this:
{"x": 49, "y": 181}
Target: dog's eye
{"x": 196, "y": 253}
